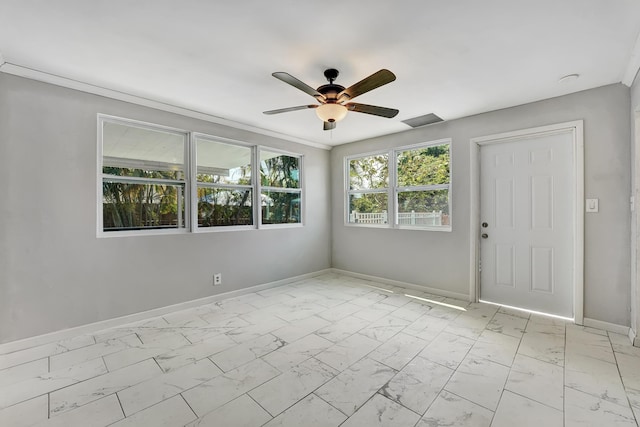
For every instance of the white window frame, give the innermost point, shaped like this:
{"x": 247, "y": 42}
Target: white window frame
{"x": 393, "y": 189}
{"x": 349, "y": 192}
{"x": 103, "y": 118}
{"x": 397, "y": 189}
{"x": 191, "y": 183}
{"x": 260, "y": 187}
{"x": 194, "y": 180}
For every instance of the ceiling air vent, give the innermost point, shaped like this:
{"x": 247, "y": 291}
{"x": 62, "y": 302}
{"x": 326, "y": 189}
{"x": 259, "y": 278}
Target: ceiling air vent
{"x": 427, "y": 119}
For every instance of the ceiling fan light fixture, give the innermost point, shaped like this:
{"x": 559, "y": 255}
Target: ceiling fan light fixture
{"x": 331, "y": 112}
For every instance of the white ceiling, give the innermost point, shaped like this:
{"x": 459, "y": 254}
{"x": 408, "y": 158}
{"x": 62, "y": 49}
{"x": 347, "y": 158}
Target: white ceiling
{"x": 454, "y": 58}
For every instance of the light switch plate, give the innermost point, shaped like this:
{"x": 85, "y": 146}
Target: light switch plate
{"x": 592, "y": 205}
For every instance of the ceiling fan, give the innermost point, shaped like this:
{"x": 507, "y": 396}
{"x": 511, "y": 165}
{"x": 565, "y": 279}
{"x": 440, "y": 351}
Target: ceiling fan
{"x": 334, "y": 99}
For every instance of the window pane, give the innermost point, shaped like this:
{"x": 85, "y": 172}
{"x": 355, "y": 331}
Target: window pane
{"x": 223, "y": 207}
{"x": 129, "y": 206}
{"x": 368, "y": 208}
{"x": 223, "y": 163}
{"x": 280, "y": 207}
{"x": 135, "y": 151}
{"x": 424, "y": 166}
{"x": 278, "y": 170}
{"x": 424, "y": 208}
{"x": 369, "y": 172}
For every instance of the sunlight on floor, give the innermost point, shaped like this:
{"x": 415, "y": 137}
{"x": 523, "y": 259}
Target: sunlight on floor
{"x": 436, "y": 302}
{"x": 539, "y": 313}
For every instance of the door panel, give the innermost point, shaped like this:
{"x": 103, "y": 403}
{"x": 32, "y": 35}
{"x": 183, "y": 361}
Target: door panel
{"x": 527, "y": 193}
{"x": 542, "y": 203}
{"x": 542, "y": 269}
{"x": 505, "y": 203}
{"x": 505, "y": 265}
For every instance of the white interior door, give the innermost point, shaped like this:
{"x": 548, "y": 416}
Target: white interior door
{"x": 527, "y": 197}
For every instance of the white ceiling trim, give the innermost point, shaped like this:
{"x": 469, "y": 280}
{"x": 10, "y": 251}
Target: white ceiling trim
{"x": 634, "y": 64}
{"x": 30, "y": 73}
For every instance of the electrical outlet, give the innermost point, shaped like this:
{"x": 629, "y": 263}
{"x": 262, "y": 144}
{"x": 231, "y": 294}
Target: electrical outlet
{"x": 217, "y": 279}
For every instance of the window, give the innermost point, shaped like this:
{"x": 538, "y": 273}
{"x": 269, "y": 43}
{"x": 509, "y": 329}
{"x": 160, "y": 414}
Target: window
{"x": 224, "y": 183}
{"x": 422, "y": 191}
{"x": 368, "y": 189}
{"x": 419, "y": 196}
{"x": 280, "y": 194}
{"x": 155, "y": 179}
{"x": 143, "y": 178}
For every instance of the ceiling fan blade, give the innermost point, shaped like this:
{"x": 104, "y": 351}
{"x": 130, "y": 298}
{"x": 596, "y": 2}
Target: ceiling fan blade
{"x": 298, "y": 84}
{"x": 372, "y": 109}
{"x": 375, "y": 80}
{"x": 329, "y": 125}
{"x": 286, "y": 110}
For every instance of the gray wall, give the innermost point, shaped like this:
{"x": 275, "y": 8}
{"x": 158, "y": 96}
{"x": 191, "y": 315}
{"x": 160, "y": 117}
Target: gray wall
{"x": 441, "y": 260}
{"x": 55, "y": 273}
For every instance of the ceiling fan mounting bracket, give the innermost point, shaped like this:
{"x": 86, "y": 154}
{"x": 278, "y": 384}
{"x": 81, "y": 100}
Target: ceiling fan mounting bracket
{"x": 331, "y": 74}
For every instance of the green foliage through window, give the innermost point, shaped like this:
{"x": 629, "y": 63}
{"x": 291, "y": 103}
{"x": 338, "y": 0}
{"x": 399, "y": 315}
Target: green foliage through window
{"x": 145, "y": 184}
{"x": 369, "y": 172}
{"x": 222, "y": 207}
{"x": 143, "y": 180}
{"x": 424, "y": 166}
{"x": 281, "y": 194}
{"x": 421, "y": 194}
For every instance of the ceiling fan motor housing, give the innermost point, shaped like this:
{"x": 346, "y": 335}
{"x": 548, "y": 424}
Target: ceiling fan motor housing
{"x": 330, "y": 91}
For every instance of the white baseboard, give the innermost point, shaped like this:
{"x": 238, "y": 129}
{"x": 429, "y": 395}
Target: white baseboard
{"x": 435, "y": 291}
{"x": 149, "y": 314}
{"x": 90, "y": 328}
{"x": 632, "y": 337}
{"x": 606, "y": 326}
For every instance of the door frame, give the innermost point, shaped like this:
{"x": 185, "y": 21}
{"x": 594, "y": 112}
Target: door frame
{"x": 577, "y": 130}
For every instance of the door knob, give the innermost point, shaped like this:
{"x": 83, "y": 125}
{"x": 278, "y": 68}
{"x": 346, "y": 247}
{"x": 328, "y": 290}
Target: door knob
{"x": 485, "y": 235}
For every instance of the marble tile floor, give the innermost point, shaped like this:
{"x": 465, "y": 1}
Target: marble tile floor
{"x": 329, "y": 351}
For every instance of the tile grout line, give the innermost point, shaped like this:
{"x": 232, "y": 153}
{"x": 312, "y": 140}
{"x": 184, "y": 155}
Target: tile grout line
{"x": 162, "y": 372}
{"x": 398, "y": 403}
{"x": 534, "y": 400}
{"x": 185, "y": 401}
{"x": 464, "y": 398}
{"x": 514, "y": 360}
{"x": 368, "y": 356}
{"x": 624, "y": 387}
{"x": 333, "y": 406}
{"x": 501, "y": 392}
{"x": 216, "y": 365}
{"x": 493, "y": 412}
{"x": 265, "y": 409}
{"x": 124, "y": 415}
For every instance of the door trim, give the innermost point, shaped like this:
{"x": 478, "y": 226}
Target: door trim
{"x": 577, "y": 130}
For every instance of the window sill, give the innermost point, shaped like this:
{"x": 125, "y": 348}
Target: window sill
{"x": 138, "y": 233}
{"x": 402, "y": 227}
{"x": 276, "y": 226}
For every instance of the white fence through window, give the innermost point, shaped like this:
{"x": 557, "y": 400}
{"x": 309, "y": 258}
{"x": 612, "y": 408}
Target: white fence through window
{"x": 433, "y": 218}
